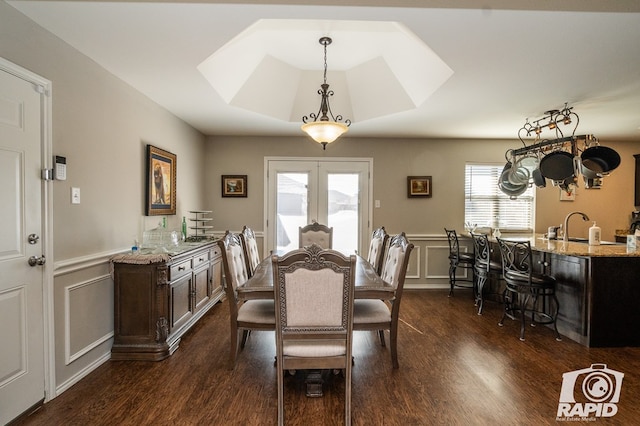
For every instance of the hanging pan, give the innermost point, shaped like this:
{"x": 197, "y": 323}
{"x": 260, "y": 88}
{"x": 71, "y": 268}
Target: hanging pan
{"x": 557, "y": 166}
{"x": 600, "y": 160}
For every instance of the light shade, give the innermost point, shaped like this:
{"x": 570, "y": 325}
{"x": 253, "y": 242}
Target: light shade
{"x": 324, "y": 132}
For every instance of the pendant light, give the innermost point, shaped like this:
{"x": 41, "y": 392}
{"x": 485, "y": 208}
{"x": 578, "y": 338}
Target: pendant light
{"x": 324, "y": 128}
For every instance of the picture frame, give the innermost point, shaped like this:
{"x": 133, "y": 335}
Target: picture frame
{"x": 419, "y": 187}
{"x": 161, "y": 182}
{"x": 234, "y": 185}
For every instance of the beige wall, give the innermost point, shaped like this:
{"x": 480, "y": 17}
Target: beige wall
{"x": 101, "y": 125}
{"x": 393, "y": 161}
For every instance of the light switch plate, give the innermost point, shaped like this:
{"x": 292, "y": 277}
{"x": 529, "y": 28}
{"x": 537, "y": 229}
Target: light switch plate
{"x": 75, "y": 195}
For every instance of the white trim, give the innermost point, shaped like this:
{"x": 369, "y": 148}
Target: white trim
{"x": 82, "y": 373}
{"x": 69, "y": 357}
{"x": 44, "y": 87}
{"x": 76, "y": 264}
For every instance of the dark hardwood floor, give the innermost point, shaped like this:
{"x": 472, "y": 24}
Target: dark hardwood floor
{"x": 456, "y": 368}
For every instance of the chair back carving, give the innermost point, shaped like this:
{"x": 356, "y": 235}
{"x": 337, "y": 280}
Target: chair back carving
{"x": 454, "y": 245}
{"x": 251, "y": 253}
{"x": 377, "y": 248}
{"x": 482, "y": 251}
{"x": 516, "y": 261}
{"x": 316, "y": 233}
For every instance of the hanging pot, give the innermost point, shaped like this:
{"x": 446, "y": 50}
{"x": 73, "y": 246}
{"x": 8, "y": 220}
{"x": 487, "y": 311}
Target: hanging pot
{"x": 538, "y": 179}
{"x": 557, "y": 166}
{"x": 505, "y": 185}
{"x": 600, "y": 160}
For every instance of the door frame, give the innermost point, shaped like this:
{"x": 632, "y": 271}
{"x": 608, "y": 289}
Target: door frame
{"x": 265, "y": 208}
{"x": 44, "y": 87}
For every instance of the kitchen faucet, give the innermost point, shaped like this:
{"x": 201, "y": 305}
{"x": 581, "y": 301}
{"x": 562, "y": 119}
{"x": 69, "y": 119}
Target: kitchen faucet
{"x": 566, "y": 223}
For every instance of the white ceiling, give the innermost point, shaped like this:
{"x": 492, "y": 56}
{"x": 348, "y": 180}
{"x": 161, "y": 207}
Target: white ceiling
{"x": 508, "y": 65}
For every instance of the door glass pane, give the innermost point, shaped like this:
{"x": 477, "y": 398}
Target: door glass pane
{"x": 291, "y": 209}
{"x": 343, "y": 211}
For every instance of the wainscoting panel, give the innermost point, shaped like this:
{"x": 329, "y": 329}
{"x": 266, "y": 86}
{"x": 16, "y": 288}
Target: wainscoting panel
{"x": 88, "y": 319}
{"x": 429, "y": 265}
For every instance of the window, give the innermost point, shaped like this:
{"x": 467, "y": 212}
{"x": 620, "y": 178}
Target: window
{"x": 486, "y": 205}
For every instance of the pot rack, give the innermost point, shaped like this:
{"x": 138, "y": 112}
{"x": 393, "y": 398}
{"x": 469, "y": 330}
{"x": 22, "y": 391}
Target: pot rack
{"x": 554, "y": 120}
{"x": 539, "y": 146}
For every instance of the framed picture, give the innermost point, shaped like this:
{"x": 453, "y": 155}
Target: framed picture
{"x": 234, "y": 185}
{"x": 161, "y": 182}
{"x": 419, "y": 186}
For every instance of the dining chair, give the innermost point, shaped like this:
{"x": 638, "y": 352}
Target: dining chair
{"x": 375, "y": 257}
{"x": 372, "y": 314}
{"x": 526, "y": 291}
{"x": 459, "y": 259}
{"x": 314, "y": 290}
{"x": 485, "y": 268}
{"x": 243, "y": 316}
{"x": 250, "y": 246}
{"x": 315, "y": 233}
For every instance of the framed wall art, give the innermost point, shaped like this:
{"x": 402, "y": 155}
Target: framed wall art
{"x": 419, "y": 186}
{"x": 234, "y": 185}
{"x": 161, "y": 182}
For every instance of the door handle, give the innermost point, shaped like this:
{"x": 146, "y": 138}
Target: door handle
{"x": 37, "y": 260}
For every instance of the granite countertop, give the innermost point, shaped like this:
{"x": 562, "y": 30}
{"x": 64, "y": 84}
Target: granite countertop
{"x": 541, "y": 243}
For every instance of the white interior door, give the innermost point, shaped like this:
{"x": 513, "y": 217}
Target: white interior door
{"x": 22, "y": 349}
{"x": 334, "y": 192}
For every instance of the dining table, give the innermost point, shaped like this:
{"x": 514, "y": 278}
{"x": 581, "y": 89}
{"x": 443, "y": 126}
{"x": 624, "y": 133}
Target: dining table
{"x": 368, "y": 284}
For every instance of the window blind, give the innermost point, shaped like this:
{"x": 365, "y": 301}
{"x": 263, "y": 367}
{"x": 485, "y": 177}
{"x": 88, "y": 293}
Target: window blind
{"x": 486, "y": 205}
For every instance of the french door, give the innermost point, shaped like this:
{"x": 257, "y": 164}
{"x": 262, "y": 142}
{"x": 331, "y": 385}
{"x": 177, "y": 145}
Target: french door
{"x": 335, "y": 193}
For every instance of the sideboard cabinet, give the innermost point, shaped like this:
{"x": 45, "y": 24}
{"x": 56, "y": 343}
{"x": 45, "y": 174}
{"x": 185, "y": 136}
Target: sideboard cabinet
{"x": 156, "y": 303}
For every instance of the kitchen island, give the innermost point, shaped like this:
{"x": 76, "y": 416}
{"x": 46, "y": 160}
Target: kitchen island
{"x": 598, "y": 288}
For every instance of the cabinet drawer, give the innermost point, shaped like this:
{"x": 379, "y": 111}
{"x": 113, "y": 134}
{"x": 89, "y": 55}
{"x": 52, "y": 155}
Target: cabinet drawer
{"x": 180, "y": 269}
{"x": 200, "y": 259}
{"x": 215, "y": 252}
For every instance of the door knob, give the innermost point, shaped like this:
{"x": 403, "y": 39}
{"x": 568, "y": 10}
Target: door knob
{"x": 37, "y": 260}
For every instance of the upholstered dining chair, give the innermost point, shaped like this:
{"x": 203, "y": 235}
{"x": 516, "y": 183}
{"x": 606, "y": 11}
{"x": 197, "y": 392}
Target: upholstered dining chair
{"x": 371, "y": 314}
{"x": 315, "y": 233}
{"x": 250, "y": 246}
{"x": 314, "y": 291}
{"x": 251, "y": 314}
{"x": 376, "y": 248}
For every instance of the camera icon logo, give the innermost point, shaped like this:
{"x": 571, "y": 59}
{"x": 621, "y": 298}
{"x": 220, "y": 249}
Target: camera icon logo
{"x": 590, "y": 392}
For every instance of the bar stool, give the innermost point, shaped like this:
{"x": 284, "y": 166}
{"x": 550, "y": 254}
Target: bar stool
{"x": 526, "y": 291}
{"x": 484, "y": 267}
{"x": 457, "y": 260}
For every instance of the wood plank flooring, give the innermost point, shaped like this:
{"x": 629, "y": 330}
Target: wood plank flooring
{"x": 456, "y": 368}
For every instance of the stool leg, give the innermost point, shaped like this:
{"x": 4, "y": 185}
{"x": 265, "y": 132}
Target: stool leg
{"x": 479, "y": 301}
{"x": 523, "y": 315}
{"x": 452, "y": 276}
{"x": 555, "y": 317}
